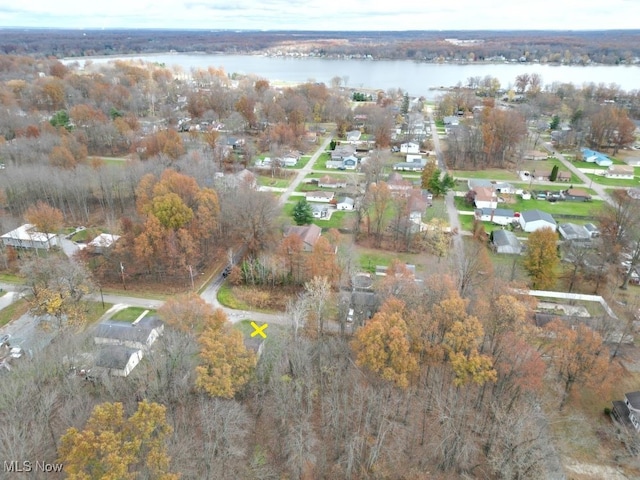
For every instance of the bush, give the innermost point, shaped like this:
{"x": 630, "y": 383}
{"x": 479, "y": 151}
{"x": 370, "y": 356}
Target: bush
{"x": 607, "y": 411}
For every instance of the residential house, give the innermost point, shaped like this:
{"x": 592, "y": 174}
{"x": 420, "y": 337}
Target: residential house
{"x": 309, "y": 234}
{"x": 117, "y": 360}
{"x": 498, "y": 187}
{"x": 451, "y": 120}
{"x": 499, "y": 216}
{"x": 138, "y": 335}
{"x": 535, "y": 155}
{"x": 350, "y": 162}
{"x": 600, "y": 159}
{"x": 576, "y": 195}
{"x": 633, "y": 161}
{"x": 397, "y": 184}
{"x": 328, "y": 181}
{"x": 573, "y": 232}
{"x": 343, "y": 151}
{"x": 345, "y": 203}
{"x": 485, "y": 197}
{"x": 620, "y": 171}
{"x": 246, "y": 178}
{"x": 319, "y": 211}
{"x": 103, "y": 242}
{"x": 288, "y": 161}
{"x": 532, "y": 220}
{"x": 592, "y": 229}
{"x": 504, "y": 241}
{"x": 320, "y": 197}
{"x": 410, "y": 166}
{"x": 353, "y": 136}
{"x": 409, "y": 147}
{"x": 545, "y": 175}
{"x": 628, "y": 411}
{"x": 26, "y": 236}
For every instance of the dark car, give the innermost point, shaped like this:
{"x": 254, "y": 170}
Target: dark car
{"x": 226, "y": 272}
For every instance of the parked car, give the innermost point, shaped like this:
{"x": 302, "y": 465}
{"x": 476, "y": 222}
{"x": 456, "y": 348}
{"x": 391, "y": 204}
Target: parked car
{"x": 350, "y": 315}
{"x": 226, "y": 272}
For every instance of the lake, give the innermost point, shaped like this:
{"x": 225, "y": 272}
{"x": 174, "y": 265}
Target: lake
{"x": 416, "y": 78}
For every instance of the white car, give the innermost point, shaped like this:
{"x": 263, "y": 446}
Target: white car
{"x": 350, "y": 315}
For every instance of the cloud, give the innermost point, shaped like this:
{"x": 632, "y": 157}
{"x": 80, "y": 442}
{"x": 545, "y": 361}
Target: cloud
{"x": 327, "y": 14}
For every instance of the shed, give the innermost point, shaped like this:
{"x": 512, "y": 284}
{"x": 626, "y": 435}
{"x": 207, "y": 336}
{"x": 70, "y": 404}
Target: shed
{"x": 571, "y": 231}
{"x": 505, "y": 241}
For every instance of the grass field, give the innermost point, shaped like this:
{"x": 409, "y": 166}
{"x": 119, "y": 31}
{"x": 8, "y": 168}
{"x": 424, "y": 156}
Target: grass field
{"x": 586, "y": 209}
{"x": 491, "y": 174}
{"x": 130, "y": 314}
{"x": 337, "y": 220}
{"x": 267, "y": 181}
{"x": 228, "y": 299}
{"x": 614, "y": 182}
{"x": 13, "y": 311}
{"x": 302, "y": 162}
{"x": 368, "y": 258}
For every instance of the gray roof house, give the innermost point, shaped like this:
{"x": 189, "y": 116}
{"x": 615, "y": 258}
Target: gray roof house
{"x": 139, "y": 335}
{"x": 532, "y": 220}
{"x": 571, "y": 231}
{"x": 118, "y": 360}
{"x": 628, "y": 411}
{"x": 505, "y": 241}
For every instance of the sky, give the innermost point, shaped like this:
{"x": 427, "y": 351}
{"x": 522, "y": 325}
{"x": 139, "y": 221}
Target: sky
{"x": 324, "y": 14}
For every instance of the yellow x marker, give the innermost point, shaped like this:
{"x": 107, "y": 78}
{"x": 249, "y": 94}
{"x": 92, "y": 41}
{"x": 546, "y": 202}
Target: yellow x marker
{"x": 259, "y": 330}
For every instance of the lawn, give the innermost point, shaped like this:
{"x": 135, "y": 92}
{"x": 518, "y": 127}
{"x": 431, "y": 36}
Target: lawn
{"x": 13, "y": 311}
{"x": 302, "y": 162}
{"x": 369, "y": 258}
{"x": 228, "y": 299}
{"x": 321, "y": 163}
{"x": 130, "y": 314}
{"x": 336, "y": 220}
{"x": 266, "y": 181}
{"x": 11, "y": 278}
{"x": 548, "y": 165}
{"x": 491, "y": 174}
{"x": 586, "y": 209}
{"x": 86, "y": 235}
{"x": 614, "y": 182}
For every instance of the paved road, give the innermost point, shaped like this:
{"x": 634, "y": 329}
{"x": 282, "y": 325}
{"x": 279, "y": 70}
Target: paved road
{"x": 306, "y": 170}
{"x": 599, "y": 189}
{"x": 452, "y": 211}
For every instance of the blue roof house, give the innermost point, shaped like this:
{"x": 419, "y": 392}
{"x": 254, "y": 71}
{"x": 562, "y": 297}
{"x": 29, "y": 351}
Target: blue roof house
{"x": 600, "y": 159}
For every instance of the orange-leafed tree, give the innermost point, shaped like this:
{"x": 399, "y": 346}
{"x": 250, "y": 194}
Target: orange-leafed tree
{"x": 44, "y": 217}
{"x": 578, "y": 356}
{"x": 383, "y": 345}
{"x": 462, "y": 346}
{"x": 542, "y": 258}
{"x": 113, "y": 446}
{"x": 189, "y": 313}
{"x": 226, "y": 365}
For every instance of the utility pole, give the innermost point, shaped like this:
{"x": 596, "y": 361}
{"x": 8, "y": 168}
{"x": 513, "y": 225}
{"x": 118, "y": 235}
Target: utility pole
{"x": 191, "y": 275}
{"x": 122, "y": 275}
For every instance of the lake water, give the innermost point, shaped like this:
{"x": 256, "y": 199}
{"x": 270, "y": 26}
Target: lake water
{"x": 413, "y": 77}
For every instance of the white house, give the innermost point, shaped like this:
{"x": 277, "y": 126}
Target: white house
{"x": 320, "y": 197}
{"x": 620, "y": 171}
{"x": 345, "y": 203}
{"x": 499, "y": 216}
{"x": 319, "y": 211}
{"x": 485, "y": 198}
{"x": 571, "y": 231}
{"x": 26, "y": 236}
{"x": 288, "y": 161}
{"x": 410, "y": 147}
{"x": 103, "y": 242}
{"x": 628, "y": 411}
{"x": 532, "y": 220}
{"x": 328, "y": 181}
{"x": 118, "y": 360}
{"x": 353, "y": 135}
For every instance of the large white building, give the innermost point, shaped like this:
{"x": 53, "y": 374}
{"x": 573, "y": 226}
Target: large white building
{"x": 26, "y": 236}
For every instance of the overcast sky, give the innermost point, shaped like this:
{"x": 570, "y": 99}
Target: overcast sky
{"x": 324, "y": 14}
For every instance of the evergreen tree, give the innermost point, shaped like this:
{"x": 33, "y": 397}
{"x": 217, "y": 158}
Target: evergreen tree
{"x": 554, "y": 173}
{"x": 405, "y": 104}
{"x": 302, "y": 213}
